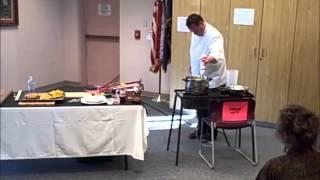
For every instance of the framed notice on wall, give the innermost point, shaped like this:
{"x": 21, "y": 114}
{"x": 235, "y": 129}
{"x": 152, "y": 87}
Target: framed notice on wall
{"x": 9, "y": 13}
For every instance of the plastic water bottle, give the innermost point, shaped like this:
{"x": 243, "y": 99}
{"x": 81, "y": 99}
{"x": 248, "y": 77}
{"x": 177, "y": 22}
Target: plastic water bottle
{"x": 31, "y": 84}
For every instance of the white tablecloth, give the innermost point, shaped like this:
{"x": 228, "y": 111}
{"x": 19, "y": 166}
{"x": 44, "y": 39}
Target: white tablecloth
{"x": 77, "y": 131}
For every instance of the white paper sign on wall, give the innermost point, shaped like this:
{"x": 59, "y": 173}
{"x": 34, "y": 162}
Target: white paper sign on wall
{"x": 243, "y": 16}
{"x": 149, "y": 36}
{"x": 104, "y": 9}
{"x": 181, "y": 24}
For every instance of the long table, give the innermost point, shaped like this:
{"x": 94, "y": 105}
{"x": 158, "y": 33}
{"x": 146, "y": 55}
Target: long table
{"x": 72, "y": 131}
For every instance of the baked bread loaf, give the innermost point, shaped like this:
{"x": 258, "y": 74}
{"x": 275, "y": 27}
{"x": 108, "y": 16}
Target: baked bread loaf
{"x": 32, "y": 96}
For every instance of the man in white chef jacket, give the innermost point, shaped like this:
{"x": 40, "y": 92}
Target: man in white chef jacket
{"x": 206, "y": 58}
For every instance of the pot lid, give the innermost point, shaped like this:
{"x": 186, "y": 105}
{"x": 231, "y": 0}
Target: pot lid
{"x": 197, "y": 78}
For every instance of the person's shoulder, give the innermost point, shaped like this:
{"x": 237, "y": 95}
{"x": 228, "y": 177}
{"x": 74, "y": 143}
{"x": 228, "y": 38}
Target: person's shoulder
{"x": 212, "y": 30}
{"x": 272, "y": 168}
{"x": 278, "y": 162}
{"x": 316, "y": 155}
{"x": 194, "y": 37}
{"x": 285, "y": 161}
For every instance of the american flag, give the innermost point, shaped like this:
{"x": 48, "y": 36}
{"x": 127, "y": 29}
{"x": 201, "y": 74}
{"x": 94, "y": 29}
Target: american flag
{"x": 155, "y": 55}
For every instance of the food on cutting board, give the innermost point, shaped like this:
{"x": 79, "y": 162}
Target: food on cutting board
{"x": 45, "y": 96}
{"x": 32, "y": 96}
{"x": 54, "y": 94}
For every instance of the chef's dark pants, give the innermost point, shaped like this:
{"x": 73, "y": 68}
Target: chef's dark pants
{"x": 202, "y": 113}
{"x": 206, "y": 131}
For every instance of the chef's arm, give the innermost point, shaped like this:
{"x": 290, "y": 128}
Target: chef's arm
{"x": 208, "y": 59}
{"x": 216, "y": 51}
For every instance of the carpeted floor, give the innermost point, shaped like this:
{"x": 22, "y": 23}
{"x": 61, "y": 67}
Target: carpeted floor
{"x": 159, "y": 163}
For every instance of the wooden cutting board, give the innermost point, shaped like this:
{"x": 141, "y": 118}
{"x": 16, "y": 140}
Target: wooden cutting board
{"x": 51, "y": 103}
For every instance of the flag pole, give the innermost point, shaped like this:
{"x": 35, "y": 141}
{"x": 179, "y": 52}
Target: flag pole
{"x": 158, "y": 99}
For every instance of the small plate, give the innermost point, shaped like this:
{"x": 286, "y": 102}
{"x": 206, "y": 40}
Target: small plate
{"x": 93, "y": 100}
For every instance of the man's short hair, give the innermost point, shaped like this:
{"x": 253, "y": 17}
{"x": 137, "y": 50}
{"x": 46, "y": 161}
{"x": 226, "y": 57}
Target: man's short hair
{"x": 194, "y": 19}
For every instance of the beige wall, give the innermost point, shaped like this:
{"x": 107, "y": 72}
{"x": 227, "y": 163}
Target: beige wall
{"x": 134, "y": 55}
{"x": 34, "y": 47}
{"x": 46, "y": 44}
{"x": 73, "y": 38}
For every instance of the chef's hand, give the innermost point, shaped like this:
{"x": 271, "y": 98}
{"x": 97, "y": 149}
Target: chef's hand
{"x": 207, "y": 59}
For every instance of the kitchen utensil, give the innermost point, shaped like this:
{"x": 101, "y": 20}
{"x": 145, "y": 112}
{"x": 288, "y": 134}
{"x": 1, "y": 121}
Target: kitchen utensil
{"x": 196, "y": 85}
{"x": 232, "y": 77}
{"x": 238, "y": 90}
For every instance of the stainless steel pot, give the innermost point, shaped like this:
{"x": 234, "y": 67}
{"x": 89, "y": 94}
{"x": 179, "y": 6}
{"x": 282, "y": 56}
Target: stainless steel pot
{"x": 196, "y": 85}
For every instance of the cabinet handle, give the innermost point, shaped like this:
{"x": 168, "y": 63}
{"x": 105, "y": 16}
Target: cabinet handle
{"x": 260, "y": 55}
{"x": 255, "y": 52}
{"x": 263, "y": 53}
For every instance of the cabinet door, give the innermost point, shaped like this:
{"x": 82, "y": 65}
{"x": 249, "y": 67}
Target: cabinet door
{"x": 304, "y": 79}
{"x": 216, "y": 13}
{"x": 180, "y": 57}
{"x": 244, "y": 44}
{"x": 278, "y": 24}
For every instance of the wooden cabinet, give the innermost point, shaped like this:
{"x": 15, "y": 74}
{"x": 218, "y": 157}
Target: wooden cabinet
{"x": 216, "y": 13}
{"x": 263, "y": 53}
{"x": 275, "y": 57}
{"x": 244, "y": 44}
{"x": 305, "y": 76}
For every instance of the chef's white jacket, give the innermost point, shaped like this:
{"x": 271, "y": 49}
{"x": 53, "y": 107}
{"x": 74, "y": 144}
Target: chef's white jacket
{"x": 210, "y": 44}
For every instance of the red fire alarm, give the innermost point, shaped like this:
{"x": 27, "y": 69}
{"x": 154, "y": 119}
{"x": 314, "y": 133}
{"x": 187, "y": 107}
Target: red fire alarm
{"x": 137, "y": 34}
